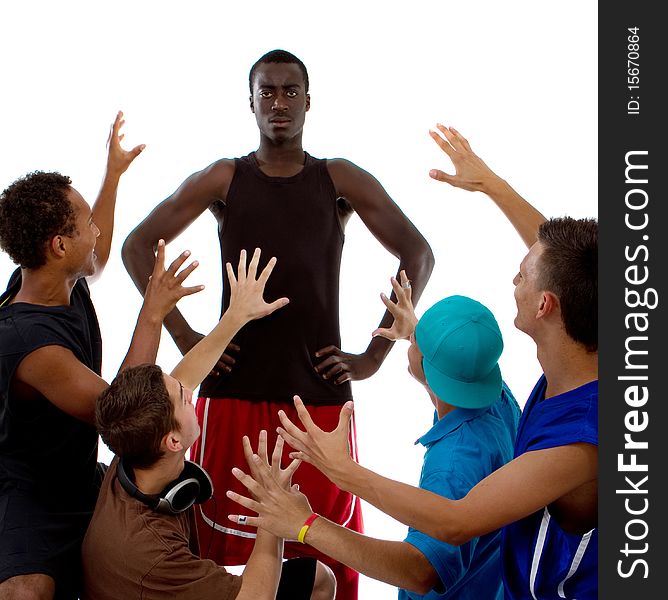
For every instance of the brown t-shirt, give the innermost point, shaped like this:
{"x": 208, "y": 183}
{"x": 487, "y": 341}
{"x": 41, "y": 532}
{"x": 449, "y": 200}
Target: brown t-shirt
{"x": 130, "y": 551}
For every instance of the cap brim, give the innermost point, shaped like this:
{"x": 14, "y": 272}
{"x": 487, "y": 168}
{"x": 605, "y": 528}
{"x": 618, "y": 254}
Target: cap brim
{"x": 478, "y": 394}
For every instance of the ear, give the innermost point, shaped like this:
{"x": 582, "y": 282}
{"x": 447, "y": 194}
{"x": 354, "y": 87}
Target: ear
{"x": 172, "y": 442}
{"x": 252, "y": 106}
{"x": 308, "y": 102}
{"x": 549, "y": 303}
{"x": 58, "y": 246}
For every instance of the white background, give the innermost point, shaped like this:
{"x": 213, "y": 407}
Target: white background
{"x": 517, "y": 78}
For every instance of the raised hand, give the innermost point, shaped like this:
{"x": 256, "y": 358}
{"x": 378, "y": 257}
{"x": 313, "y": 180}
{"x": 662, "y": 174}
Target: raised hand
{"x": 329, "y": 451}
{"x": 118, "y": 159}
{"x": 165, "y": 286}
{"x": 246, "y": 292}
{"x": 280, "y": 507}
{"x": 471, "y": 173}
{"x": 402, "y": 311}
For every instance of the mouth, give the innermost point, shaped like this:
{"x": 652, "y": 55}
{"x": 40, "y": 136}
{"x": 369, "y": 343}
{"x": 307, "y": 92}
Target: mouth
{"x": 280, "y": 121}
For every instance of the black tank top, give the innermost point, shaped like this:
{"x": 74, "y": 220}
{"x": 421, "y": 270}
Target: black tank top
{"x": 296, "y": 220}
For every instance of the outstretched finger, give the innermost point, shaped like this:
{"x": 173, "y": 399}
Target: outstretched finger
{"x": 183, "y": 274}
{"x": 277, "y": 455}
{"x": 399, "y": 290}
{"x": 244, "y": 520}
{"x": 252, "y": 267}
{"x": 304, "y": 415}
{"x": 289, "y": 471}
{"x": 178, "y": 262}
{"x": 406, "y": 285}
{"x": 262, "y": 446}
{"x": 248, "y": 482}
{"x": 248, "y": 503}
{"x": 383, "y": 332}
{"x": 439, "y": 175}
{"x": 462, "y": 140}
{"x": 189, "y": 291}
{"x": 241, "y": 270}
{"x": 262, "y": 279}
{"x": 345, "y": 416}
{"x": 136, "y": 151}
{"x": 275, "y": 305}
{"x": 159, "y": 263}
{"x": 443, "y": 144}
{"x": 391, "y": 306}
{"x": 230, "y": 276}
{"x": 292, "y": 440}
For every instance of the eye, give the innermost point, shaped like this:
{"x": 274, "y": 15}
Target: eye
{"x": 264, "y": 94}
{"x": 291, "y": 93}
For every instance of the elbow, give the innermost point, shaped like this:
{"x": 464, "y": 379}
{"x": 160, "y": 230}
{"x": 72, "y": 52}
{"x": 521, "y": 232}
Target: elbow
{"x": 454, "y": 535}
{"x": 134, "y": 245}
{"x": 422, "y": 583}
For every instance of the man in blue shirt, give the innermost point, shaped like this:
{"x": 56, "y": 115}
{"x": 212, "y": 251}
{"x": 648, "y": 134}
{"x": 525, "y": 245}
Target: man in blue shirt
{"x": 454, "y": 351}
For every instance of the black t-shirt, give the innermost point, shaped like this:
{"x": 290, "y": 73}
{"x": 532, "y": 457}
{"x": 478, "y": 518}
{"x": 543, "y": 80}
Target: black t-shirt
{"x": 42, "y": 448}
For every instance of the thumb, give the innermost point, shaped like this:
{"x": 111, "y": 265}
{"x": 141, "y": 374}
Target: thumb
{"x": 345, "y": 415}
{"x": 441, "y": 176}
{"x": 137, "y": 150}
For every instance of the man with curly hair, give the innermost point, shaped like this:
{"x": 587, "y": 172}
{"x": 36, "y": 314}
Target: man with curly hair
{"x": 50, "y": 364}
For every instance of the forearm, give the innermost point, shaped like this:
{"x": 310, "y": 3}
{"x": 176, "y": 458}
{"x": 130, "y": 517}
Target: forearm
{"x": 396, "y": 563}
{"x": 138, "y": 256}
{"x": 434, "y": 515}
{"x": 202, "y": 357}
{"x": 103, "y": 211}
{"x": 145, "y": 340}
{"x": 522, "y": 215}
{"x": 263, "y": 569}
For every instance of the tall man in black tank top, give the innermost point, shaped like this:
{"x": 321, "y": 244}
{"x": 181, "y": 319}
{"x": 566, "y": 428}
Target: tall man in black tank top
{"x": 294, "y": 207}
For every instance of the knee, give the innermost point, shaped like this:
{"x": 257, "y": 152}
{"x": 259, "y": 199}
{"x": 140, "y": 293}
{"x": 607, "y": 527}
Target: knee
{"x": 324, "y": 585}
{"x": 28, "y": 587}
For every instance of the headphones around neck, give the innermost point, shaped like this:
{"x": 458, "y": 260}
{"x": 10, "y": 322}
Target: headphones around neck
{"x": 193, "y": 486}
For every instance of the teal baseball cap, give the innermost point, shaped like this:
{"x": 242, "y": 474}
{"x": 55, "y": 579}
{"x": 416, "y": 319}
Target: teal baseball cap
{"x": 461, "y": 343}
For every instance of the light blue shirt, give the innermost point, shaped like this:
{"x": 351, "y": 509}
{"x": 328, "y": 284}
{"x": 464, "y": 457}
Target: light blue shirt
{"x": 464, "y": 447}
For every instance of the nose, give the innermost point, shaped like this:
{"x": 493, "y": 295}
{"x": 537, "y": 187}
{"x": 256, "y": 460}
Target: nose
{"x": 516, "y": 279}
{"x": 279, "y": 103}
{"x": 96, "y": 230}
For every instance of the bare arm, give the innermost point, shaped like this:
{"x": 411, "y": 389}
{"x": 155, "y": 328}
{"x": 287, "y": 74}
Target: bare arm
{"x": 399, "y": 236}
{"x": 118, "y": 160}
{"x": 170, "y": 218}
{"x": 472, "y": 174}
{"x": 263, "y": 569}
{"x": 527, "y": 483}
{"x": 246, "y": 304}
{"x": 55, "y": 372}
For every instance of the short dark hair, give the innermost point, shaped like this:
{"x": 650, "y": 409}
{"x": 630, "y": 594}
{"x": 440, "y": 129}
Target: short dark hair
{"x": 278, "y": 56}
{"x": 32, "y": 210}
{"x": 134, "y": 413}
{"x": 569, "y": 269}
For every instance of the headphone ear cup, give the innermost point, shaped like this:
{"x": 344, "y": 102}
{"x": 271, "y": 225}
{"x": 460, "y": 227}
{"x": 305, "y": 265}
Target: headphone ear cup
{"x": 195, "y": 471}
{"x": 194, "y": 486}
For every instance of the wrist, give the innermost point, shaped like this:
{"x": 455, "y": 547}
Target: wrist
{"x": 301, "y": 536}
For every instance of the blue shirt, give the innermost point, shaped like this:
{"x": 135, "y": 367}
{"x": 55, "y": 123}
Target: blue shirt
{"x": 464, "y": 447}
{"x": 541, "y": 560}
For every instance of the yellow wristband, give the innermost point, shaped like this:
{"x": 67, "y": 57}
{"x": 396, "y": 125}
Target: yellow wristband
{"x": 306, "y": 526}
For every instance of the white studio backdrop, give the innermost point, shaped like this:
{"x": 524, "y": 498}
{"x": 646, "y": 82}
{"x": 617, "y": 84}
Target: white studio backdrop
{"x": 517, "y": 78}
